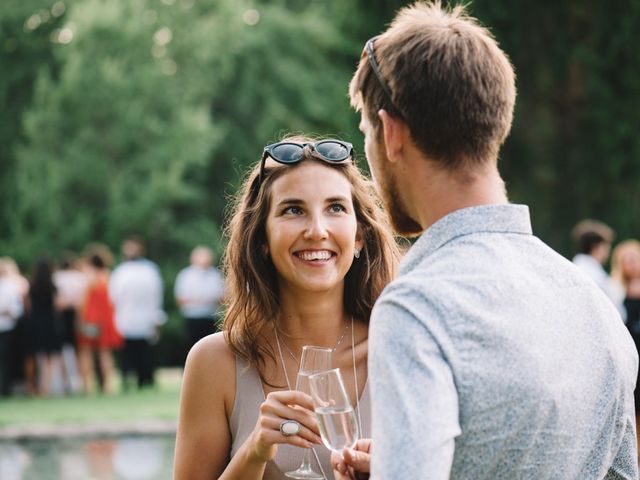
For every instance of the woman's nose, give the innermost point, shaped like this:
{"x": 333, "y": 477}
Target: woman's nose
{"x": 316, "y": 228}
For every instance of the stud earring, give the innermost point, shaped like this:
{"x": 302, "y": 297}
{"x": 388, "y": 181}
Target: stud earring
{"x": 357, "y": 253}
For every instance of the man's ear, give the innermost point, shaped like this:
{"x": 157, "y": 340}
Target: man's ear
{"x": 395, "y": 133}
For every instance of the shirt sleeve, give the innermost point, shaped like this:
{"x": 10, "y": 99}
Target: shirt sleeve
{"x": 414, "y": 399}
{"x": 625, "y": 464}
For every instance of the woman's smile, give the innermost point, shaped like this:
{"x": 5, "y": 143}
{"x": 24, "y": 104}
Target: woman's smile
{"x": 312, "y": 229}
{"x": 317, "y": 257}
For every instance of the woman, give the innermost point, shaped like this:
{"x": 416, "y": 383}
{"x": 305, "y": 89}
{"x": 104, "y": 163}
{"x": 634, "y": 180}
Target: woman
{"x": 309, "y": 252}
{"x": 96, "y": 330}
{"x": 625, "y": 270}
{"x": 42, "y": 330}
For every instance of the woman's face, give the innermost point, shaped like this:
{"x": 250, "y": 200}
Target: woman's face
{"x": 631, "y": 263}
{"x": 311, "y": 228}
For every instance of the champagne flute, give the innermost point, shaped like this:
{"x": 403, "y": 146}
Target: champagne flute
{"x": 313, "y": 360}
{"x": 336, "y": 417}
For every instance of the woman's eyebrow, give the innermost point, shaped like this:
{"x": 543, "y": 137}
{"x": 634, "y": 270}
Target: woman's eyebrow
{"x": 290, "y": 201}
{"x": 339, "y": 198}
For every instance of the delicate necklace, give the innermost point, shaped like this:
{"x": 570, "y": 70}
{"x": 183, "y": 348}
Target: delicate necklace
{"x": 355, "y": 378}
{"x": 333, "y": 350}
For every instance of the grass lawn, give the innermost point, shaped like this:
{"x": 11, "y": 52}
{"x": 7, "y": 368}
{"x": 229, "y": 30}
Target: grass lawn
{"x": 160, "y": 403}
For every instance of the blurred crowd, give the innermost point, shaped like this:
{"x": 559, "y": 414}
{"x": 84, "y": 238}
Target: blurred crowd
{"x": 64, "y": 329}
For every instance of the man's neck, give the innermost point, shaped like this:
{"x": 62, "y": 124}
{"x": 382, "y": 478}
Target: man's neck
{"x": 434, "y": 193}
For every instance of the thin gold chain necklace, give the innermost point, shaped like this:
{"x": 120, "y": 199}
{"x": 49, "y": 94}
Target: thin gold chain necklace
{"x": 355, "y": 372}
{"x": 333, "y": 350}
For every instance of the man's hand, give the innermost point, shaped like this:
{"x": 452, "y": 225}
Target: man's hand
{"x": 354, "y": 464}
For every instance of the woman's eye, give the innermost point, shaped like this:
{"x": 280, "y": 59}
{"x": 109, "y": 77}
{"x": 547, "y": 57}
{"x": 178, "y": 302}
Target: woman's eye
{"x": 337, "y": 208}
{"x": 292, "y": 210}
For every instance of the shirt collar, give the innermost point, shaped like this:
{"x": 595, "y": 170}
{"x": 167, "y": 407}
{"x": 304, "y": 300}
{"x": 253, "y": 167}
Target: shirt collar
{"x": 503, "y": 218}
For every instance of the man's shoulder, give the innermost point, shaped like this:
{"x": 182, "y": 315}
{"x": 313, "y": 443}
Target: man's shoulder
{"x": 184, "y": 272}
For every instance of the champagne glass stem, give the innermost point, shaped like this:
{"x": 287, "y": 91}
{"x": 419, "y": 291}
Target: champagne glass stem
{"x": 306, "y": 460}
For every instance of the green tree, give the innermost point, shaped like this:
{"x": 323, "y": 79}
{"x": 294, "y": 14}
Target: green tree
{"x": 574, "y": 151}
{"x": 25, "y": 30}
{"x": 111, "y": 140}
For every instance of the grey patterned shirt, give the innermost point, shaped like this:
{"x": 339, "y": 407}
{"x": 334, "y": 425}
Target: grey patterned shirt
{"x": 493, "y": 357}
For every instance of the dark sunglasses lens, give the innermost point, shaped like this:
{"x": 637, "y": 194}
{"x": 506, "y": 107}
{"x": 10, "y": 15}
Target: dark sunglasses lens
{"x": 287, "y": 153}
{"x": 332, "y": 151}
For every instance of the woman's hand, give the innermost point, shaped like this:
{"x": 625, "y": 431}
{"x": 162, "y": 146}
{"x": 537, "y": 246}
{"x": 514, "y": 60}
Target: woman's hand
{"x": 277, "y": 408}
{"x": 354, "y": 464}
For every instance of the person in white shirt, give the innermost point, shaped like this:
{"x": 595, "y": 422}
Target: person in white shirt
{"x": 593, "y": 239}
{"x": 136, "y": 290}
{"x": 10, "y": 309}
{"x": 71, "y": 286}
{"x": 199, "y": 290}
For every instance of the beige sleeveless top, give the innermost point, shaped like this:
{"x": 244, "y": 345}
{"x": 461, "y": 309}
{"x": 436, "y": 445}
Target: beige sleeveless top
{"x": 246, "y": 407}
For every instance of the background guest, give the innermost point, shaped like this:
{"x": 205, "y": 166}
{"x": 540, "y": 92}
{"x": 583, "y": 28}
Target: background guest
{"x": 593, "y": 240}
{"x": 97, "y": 332}
{"x": 11, "y": 305}
{"x": 136, "y": 288}
{"x": 199, "y": 290}
{"x": 71, "y": 285}
{"x": 44, "y": 341}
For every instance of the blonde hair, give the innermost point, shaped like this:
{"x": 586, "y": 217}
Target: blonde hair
{"x": 618, "y": 255}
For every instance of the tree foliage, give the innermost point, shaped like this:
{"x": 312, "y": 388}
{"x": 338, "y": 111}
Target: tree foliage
{"x": 145, "y": 118}
{"x": 574, "y": 151}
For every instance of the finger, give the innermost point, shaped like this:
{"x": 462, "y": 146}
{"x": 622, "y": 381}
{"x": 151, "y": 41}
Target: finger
{"x": 341, "y": 471}
{"x": 292, "y": 397}
{"x": 271, "y": 437}
{"x": 360, "y": 461}
{"x": 337, "y": 463}
{"x": 342, "y": 476}
{"x": 274, "y": 423}
{"x": 279, "y": 413}
{"x": 364, "y": 445}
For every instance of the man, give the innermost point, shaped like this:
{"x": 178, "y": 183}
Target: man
{"x": 199, "y": 289}
{"x": 593, "y": 240}
{"x": 135, "y": 289}
{"x": 491, "y": 356}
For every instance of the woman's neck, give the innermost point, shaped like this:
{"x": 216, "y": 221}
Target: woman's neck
{"x": 315, "y": 318}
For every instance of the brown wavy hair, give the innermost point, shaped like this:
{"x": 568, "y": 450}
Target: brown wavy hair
{"x": 449, "y": 81}
{"x": 253, "y": 302}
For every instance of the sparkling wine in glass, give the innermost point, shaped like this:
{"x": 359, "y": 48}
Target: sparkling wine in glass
{"x": 336, "y": 417}
{"x": 313, "y": 360}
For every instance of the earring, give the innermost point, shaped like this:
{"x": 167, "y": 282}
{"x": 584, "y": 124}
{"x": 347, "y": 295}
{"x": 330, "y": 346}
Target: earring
{"x": 357, "y": 253}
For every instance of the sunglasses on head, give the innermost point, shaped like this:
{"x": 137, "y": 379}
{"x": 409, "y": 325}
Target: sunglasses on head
{"x": 288, "y": 153}
{"x": 371, "y": 58}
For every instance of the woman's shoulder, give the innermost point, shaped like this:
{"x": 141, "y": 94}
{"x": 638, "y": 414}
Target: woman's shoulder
{"x": 212, "y": 350}
{"x": 210, "y": 369}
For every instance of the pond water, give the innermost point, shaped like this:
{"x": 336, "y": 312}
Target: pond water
{"x": 135, "y": 457}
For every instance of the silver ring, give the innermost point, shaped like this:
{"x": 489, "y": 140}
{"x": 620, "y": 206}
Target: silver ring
{"x": 289, "y": 428}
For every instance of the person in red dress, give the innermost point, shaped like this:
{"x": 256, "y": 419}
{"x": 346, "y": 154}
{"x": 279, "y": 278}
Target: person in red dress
{"x": 96, "y": 330}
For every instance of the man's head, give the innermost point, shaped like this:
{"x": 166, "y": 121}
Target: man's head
{"x": 133, "y": 247}
{"x": 593, "y": 238}
{"x": 447, "y": 81}
{"x": 202, "y": 257}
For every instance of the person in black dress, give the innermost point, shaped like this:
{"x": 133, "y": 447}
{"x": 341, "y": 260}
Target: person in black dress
{"x": 43, "y": 332}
